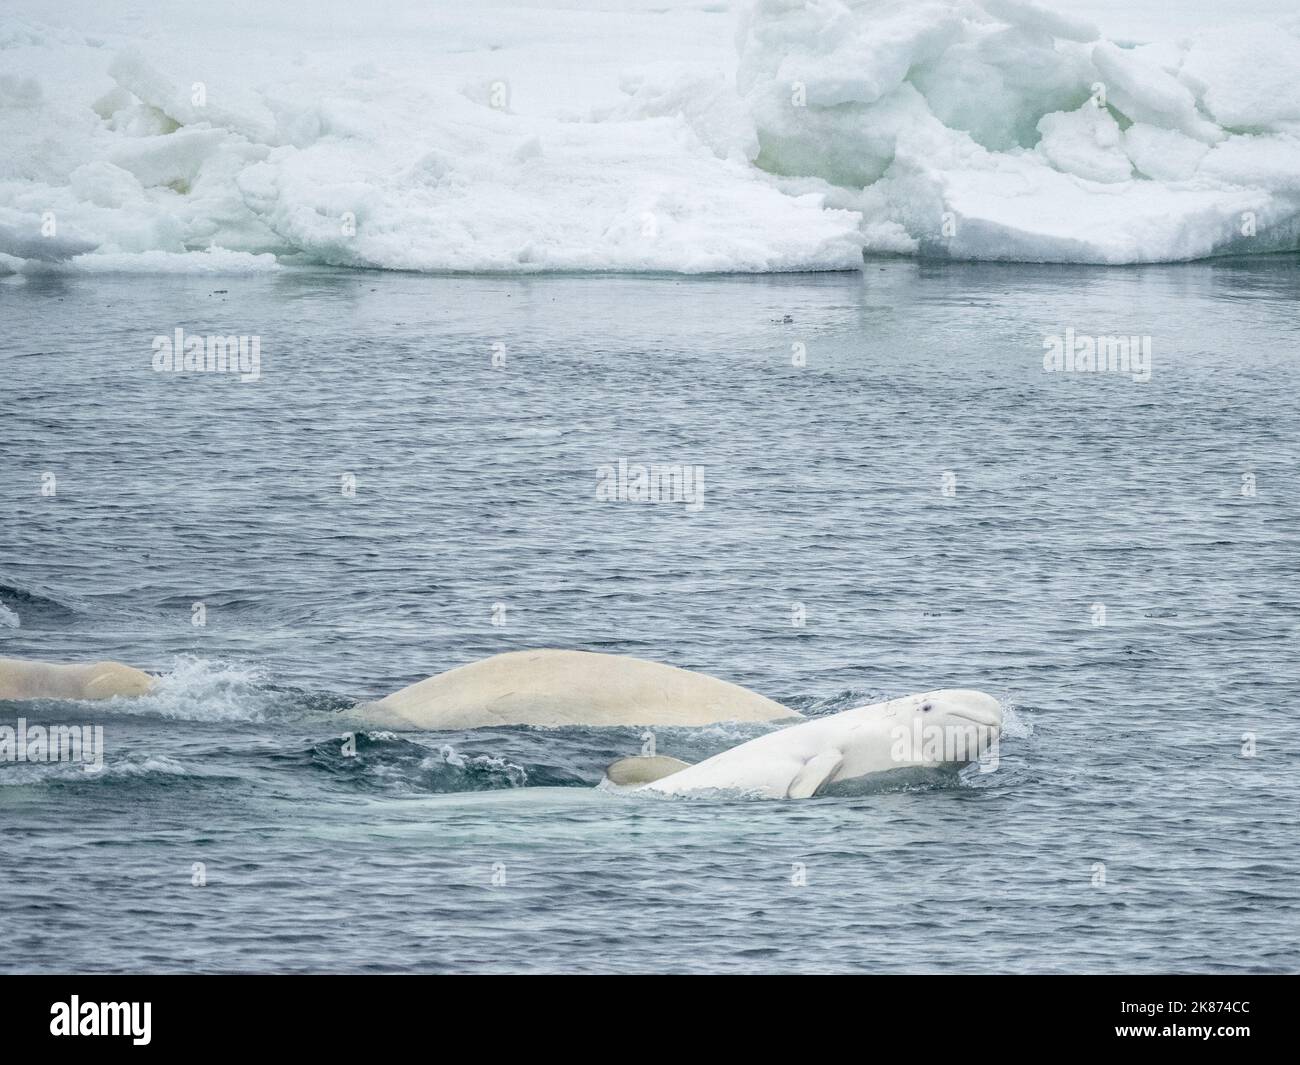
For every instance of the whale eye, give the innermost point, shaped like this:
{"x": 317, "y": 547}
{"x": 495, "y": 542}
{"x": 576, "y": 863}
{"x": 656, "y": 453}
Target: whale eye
{"x": 926, "y": 707}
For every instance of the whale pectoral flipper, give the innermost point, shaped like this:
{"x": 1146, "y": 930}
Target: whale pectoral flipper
{"x": 814, "y": 774}
{"x": 631, "y": 771}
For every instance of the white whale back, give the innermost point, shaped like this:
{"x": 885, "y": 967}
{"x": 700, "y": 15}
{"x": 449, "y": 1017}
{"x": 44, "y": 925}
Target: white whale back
{"x": 25, "y": 678}
{"x": 549, "y": 688}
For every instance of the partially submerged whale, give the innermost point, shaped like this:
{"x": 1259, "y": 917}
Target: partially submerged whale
{"x": 550, "y": 688}
{"x": 26, "y": 678}
{"x": 953, "y": 726}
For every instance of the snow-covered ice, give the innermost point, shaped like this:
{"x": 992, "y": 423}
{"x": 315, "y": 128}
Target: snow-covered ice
{"x": 659, "y": 135}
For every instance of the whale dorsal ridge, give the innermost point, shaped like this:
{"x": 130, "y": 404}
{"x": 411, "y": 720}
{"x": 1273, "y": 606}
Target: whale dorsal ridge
{"x": 630, "y": 771}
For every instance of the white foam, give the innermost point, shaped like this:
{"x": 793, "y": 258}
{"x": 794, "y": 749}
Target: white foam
{"x": 1014, "y": 724}
{"x": 200, "y": 689}
{"x": 27, "y": 774}
{"x": 447, "y": 755}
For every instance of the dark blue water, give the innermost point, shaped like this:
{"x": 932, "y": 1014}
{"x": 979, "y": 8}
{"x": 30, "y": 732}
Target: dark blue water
{"x": 824, "y": 488}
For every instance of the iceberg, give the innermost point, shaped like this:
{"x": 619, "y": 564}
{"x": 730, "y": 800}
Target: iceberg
{"x": 1002, "y": 130}
{"x": 509, "y": 141}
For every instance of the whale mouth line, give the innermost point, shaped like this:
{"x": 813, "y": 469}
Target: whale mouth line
{"x": 975, "y": 718}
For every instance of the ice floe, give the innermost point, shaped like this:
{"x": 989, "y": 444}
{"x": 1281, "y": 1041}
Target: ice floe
{"x": 987, "y": 130}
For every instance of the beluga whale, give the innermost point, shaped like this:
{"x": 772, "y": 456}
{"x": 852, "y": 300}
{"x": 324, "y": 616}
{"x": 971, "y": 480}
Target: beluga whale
{"x": 26, "y": 678}
{"x": 949, "y": 727}
{"x": 548, "y": 688}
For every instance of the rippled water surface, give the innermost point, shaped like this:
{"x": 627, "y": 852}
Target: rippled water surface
{"x": 824, "y": 491}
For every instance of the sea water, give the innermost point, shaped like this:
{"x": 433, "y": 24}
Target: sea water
{"x": 897, "y": 495}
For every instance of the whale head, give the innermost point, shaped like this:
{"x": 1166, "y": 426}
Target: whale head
{"x": 958, "y": 707}
{"x": 948, "y": 726}
{"x": 951, "y": 726}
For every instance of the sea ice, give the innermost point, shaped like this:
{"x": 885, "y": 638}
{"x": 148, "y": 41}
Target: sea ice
{"x": 533, "y": 139}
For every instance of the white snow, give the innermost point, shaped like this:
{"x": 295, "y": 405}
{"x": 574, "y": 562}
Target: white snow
{"x": 1087, "y": 142}
{"x": 1163, "y": 154}
{"x": 1248, "y": 77}
{"x": 648, "y": 135}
